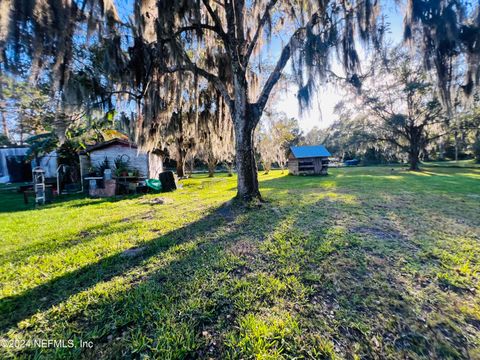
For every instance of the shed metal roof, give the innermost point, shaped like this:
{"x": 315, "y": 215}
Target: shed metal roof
{"x": 105, "y": 144}
{"x": 309, "y": 151}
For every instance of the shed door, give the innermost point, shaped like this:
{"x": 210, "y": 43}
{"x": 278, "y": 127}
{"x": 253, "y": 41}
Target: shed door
{"x": 318, "y": 165}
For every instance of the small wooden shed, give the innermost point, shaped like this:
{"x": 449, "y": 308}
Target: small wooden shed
{"x": 308, "y": 160}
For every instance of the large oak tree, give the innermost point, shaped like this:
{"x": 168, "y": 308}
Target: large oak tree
{"x": 221, "y": 43}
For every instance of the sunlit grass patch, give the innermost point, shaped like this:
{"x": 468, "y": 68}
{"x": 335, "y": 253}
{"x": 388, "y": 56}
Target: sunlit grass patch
{"x": 263, "y": 336}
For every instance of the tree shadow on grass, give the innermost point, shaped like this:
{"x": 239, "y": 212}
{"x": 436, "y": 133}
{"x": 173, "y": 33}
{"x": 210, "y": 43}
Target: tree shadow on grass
{"x": 44, "y": 247}
{"x": 156, "y": 286}
{"x": 361, "y": 289}
{"x": 357, "y": 289}
{"x": 22, "y": 306}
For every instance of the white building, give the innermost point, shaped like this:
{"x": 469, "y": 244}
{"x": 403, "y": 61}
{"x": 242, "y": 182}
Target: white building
{"x": 148, "y": 165}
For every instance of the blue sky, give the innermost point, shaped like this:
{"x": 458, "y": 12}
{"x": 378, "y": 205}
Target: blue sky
{"x": 321, "y": 114}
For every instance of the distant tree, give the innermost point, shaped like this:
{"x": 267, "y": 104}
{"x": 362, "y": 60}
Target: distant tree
{"x": 274, "y": 137}
{"x": 267, "y": 148}
{"x": 404, "y": 105}
{"x": 29, "y": 108}
{"x": 469, "y": 126}
{"x": 447, "y": 32}
{"x": 315, "y": 136}
{"x": 351, "y": 136}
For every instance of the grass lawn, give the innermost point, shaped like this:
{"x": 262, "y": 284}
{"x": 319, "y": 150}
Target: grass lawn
{"x": 461, "y": 163}
{"x": 365, "y": 263}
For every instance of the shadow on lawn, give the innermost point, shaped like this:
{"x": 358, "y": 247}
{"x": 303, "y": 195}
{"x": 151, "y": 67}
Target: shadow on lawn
{"x": 358, "y": 294}
{"x": 85, "y": 236}
{"x": 16, "y": 308}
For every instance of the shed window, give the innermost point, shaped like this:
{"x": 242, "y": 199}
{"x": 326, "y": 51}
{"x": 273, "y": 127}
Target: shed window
{"x": 306, "y": 166}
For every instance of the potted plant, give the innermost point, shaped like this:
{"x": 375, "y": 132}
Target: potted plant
{"x": 91, "y": 171}
{"x": 121, "y": 166}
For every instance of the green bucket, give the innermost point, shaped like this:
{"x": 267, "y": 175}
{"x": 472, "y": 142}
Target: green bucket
{"x": 154, "y": 184}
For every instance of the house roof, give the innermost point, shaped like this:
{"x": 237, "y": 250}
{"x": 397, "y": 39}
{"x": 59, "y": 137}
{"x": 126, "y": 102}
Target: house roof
{"x": 105, "y": 144}
{"x": 309, "y": 151}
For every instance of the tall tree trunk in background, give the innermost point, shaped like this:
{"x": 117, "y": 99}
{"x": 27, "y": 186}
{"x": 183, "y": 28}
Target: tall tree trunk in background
{"x": 212, "y": 164}
{"x": 180, "y": 160}
{"x": 229, "y": 167}
{"x": 456, "y": 145}
{"x": 414, "y": 160}
{"x": 476, "y": 147}
{"x": 191, "y": 166}
{"x": 181, "y": 169}
{"x": 4, "y": 126}
{"x": 441, "y": 150}
{"x": 267, "y": 166}
{"x": 414, "y": 152}
{"x": 416, "y": 145}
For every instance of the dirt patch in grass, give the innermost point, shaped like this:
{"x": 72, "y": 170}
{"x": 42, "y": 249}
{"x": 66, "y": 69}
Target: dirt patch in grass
{"x": 132, "y": 252}
{"x": 158, "y": 201}
{"x": 383, "y": 234}
{"x": 244, "y": 248}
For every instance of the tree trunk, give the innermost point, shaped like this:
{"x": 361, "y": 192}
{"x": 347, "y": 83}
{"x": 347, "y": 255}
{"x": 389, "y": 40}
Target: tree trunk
{"x": 415, "y": 136}
{"x": 267, "y": 167}
{"x": 180, "y": 169}
{"x": 229, "y": 168}
{"x": 245, "y": 118}
{"x": 191, "y": 166}
{"x": 247, "y": 184}
{"x": 211, "y": 168}
{"x": 441, "y": 150}
{"x": 4, "y": 126}
{"x": 476, "y": 147}
{"x": 414, "y": 159}
{"x": 456, "y": 146}
{"x": 180, "y": 165}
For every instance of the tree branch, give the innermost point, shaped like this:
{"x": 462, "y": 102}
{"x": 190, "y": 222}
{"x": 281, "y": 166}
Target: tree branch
{"x": 216, "y": 20}
{"x": 261, "y": 24}
{"x": 282, "y": 61}
{"x": 394, "y": 142}
{"x": 195, "y": 27}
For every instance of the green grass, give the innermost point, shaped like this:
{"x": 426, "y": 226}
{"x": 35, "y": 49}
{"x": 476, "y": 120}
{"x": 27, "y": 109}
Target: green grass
{"x": 471, "y": 163}
{"x": 364, "y": 263}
